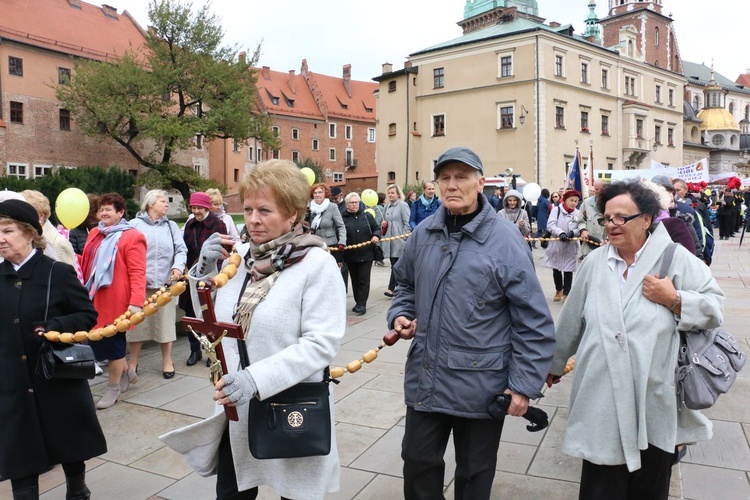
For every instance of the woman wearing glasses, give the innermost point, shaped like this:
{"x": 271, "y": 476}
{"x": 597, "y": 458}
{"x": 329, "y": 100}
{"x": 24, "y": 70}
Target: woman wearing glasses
{"x": 621, "y": 321}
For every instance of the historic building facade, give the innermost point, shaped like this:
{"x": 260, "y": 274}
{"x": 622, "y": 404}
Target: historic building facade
{"x": 523, "y": 94}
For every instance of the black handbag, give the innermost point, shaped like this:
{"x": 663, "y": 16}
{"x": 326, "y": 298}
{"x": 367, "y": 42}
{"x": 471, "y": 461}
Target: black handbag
{"x": 544, "y": 234}
{"x": 67, "y": 361}
{"x": 293, "y": 423}
{"x": 377, "y": 251}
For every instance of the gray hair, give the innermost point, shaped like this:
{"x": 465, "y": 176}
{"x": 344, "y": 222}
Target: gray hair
{"x": 150, "y": 198}
{"x": 350, "y": 196}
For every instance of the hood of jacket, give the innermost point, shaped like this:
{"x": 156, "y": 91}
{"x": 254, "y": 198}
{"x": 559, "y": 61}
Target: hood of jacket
{"x": 515, "y": 193}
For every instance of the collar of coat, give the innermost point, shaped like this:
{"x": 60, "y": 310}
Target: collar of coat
{"x": 478, "y": 229}
{"x": 25, "y": 272}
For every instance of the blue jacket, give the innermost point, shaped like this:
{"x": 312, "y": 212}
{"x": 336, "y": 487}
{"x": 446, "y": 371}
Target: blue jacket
{"x": 542, "y": 212}
{"x": 483, "y": 324}
{"x": 419, "y": 212}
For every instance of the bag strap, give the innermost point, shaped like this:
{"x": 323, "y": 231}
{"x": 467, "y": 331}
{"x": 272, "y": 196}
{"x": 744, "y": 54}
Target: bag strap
{"x": 49, "y": 287}
{"x": 666, "y": 259}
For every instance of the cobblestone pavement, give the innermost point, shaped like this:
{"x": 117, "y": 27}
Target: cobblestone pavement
{"x": 369, "y": 415}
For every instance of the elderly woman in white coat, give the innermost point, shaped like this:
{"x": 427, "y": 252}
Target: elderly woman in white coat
{"x": 621, "y": 321}
{"x": 292, "y": 334}
{"x": 166, "y": 255}
{"x": 562, "y": 256}
{"x": 395, "y": 223}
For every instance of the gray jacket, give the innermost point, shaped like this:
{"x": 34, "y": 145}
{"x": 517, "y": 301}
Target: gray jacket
{"x": 166, "y": 248}
{"x": 397, "y": 214}
{"x": 483, "y": 324}
{"x": 331, "y": 228}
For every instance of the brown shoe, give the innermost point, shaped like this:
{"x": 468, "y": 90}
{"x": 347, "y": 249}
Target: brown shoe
{"x": 558, "y": 296}
{"x": 564, "y": 297}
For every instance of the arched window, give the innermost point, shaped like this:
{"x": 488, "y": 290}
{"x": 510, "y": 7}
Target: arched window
{"x": 747, "y": 112}
{"x": 731, "y": 108}
{"x": 696, "y": 104}
{"x": 656, "y": 37}
{"x": 630, "y": 48}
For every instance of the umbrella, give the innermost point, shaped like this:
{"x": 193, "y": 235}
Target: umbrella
{"x": 742, "y": 236}
{"x": 499, "y": 405}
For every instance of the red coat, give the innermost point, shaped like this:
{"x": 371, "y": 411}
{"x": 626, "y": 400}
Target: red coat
{"x": 129, "y": 281}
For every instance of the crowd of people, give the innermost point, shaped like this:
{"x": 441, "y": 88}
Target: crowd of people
{"x": 464, "y": 290}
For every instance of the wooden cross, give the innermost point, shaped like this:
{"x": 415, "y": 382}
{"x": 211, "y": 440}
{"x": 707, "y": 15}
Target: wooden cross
{"x": 212, "y": 332}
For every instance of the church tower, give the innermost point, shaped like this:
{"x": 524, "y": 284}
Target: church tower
{"x": 593, "y": 30}
{"x": 655, "y": 39}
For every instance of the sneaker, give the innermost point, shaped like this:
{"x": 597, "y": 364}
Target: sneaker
{"x": 110, "y": 397}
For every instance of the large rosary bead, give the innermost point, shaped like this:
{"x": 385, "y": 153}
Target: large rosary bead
{"x": 137, "y": 318}
{"x": 66, "y": 338}
{"x": 177, "y": 288}
{"x": 80, "y": 336}
{"x": 122, "y": 325}
{"x": 370, "y": 356}
{"x": 220, "y": 280}
{"x": 235, "y": 259}
{"x": 52, "y": 336}
{"x": 354, "y": 366}
{"x": 95, "y": 334}
{"x": 149, "y": 309}
{"x": 163, "y": 299}
{"x": 230, "y": 270}
{"x": 337, "y": 372}
{"x": 109, "y": 331}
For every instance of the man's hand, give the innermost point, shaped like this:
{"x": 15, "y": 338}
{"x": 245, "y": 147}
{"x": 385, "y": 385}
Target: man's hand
{"x": 518, "y": 404}
{"x": 553, "y": 379}
{"x": 405, "y": 327}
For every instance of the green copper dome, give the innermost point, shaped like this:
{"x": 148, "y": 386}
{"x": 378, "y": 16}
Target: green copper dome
{"x": 476, "y": 7}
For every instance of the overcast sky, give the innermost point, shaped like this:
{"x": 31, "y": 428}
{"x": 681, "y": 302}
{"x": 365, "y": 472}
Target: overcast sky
{"x": 365, "y": 34}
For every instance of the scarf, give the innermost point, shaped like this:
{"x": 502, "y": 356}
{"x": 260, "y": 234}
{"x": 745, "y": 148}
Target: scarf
{"x": 317, "y": 211}
{"x": 565, "y": 207}
{"x": 427, "y": 203}
{"x": 103, "y": 265}
{"x": 265, "y": 262}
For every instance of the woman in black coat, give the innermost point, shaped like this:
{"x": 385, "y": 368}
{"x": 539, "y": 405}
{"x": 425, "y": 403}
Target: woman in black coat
{"x": 42, "y": 422}
{"x": 360, "y": 228}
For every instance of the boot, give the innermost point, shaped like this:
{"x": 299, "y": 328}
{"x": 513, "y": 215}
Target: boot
{"x": 110, "y": 397}
{"x": 558, "y": 296}
{"x": 76, "y": 488}
{"x": 564, "y": 297}
{"x": 28, "y": 493}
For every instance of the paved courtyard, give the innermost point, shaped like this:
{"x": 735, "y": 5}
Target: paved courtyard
{"x": 370, "y": 411}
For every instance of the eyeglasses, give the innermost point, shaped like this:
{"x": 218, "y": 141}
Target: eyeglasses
{"x": 617, "y": 220}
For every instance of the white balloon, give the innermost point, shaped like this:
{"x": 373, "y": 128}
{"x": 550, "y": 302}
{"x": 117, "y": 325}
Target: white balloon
{"x": 532, "y": 191}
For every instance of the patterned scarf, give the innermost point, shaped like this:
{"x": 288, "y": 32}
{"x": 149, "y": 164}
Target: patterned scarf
{"x": 265, "y": 262}
{"x": 103, "y": 264}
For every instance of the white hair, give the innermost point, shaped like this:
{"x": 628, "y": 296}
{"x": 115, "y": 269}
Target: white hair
{"x": 150, "y": 198}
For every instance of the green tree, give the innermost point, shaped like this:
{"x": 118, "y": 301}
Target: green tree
{"x": 156, "y": 101}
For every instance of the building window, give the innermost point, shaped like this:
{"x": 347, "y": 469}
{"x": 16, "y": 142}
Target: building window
{"x": 657, "y": 134}
{"x": 64, "y": 119}
{"x": 391, "y": 176}
{"x": 559, "y": 117}
{"x": 259, "y": 154}
{"x": 338, "y": 177}
{"x": 274, "y": 100}
{"x": 295, "y": 156}
{"x": 671, "y": 97}
{"x": 63, "y": 76}
{"x": 197, "y": 169}
{"x": 349, "y": 160}
{"x": 18, "y": 171}
{"x": 630, "y": 86}
{"x": 605, "y": 124}
{"x": 506, "y": 66}
{"x": 15, "y": 66}
{"x": 370, "y": 135}
{"x": 276, "y": 154}
{"x": 717, "y": 140}
{"x": 438, "y": 78}
{"x": 605, "y": 79}
{"x": 391, "y": 129}
{"x": 332, "y": 130}
{"x": 42, "y": 170}
{"x": 584, "y": 121}
{"x": 656, "y": 36}
{"x": 16, "y": 112}
{"x": 658, "y": 93}
{"x": 584, "y": 72}
{"x": 392, "y": 86}
{"x": 250, "y": 154}
{"x": 670, "y": 137}
{"x": 236, "y": 175}
{"x": 438, "y": 125}
{"x": 559, "y": 66}
{"x": 199, "y": 142}
{"x": 696, "y": 104}
{"x": 276, "y": 131}
{"x": 348, "y": 132}
{"x": 506, "y": 117}
{"x": 295, "y": 134}
{"x": 332, "y": 154}
{"x": 639, "y": 128}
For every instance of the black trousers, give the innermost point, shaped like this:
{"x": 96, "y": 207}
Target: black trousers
{"x": 725, "y": 225}
{"x": 563, "y": 280}
{"x": 71, "y": 470}
{"x": 360, "y": 276}
{"x": 226, "y": 479}
{"x": 392, "y": 281}
{"x": 615, "y": 482}
{"x": 425, "y": 440}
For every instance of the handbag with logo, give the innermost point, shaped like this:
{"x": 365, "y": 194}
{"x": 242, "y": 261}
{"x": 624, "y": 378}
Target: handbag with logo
{"x": 707, "y": 361}
{"x": 293, "y": 423}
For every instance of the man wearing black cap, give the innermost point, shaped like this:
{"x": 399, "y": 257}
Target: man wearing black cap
{"x": 468, "y": 295}
{"x": 337, "y": 197}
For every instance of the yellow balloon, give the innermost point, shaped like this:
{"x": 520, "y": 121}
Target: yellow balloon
{"x": 309, "y": 174}
{"x": 371, "y": 212}
{"x": 707, "y": 192}
{"x": 369, "y": 197}
{"x": 72, "y": 207}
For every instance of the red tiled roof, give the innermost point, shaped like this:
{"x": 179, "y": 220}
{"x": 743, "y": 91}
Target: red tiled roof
{"x": 357, "y": 106}
{"x": 70, "y": 26}
{"x": 744, "y": 80}
{"x": 275, "y": 84}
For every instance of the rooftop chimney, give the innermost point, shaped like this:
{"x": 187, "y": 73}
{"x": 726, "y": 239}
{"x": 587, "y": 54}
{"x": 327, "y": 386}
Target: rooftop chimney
{"x": 387, "y": 68}
{"x": 348, "y": 79}
{"x": 291, "y": 81}
{"x": 265, "y": 71}
{"x": 75, "y": 3}
{"x": 109, "y": 11}
{"x": 554, "y": 24}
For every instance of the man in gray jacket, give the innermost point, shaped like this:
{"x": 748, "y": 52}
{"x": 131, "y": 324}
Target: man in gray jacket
{"x": 468, "y": 295}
